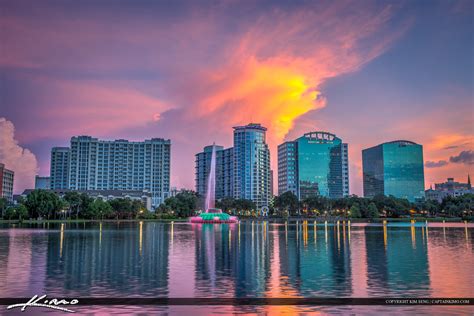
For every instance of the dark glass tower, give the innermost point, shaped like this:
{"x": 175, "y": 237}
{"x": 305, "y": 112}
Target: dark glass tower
{"x": 394, "y": 168}
{"x": 314, "y": 164}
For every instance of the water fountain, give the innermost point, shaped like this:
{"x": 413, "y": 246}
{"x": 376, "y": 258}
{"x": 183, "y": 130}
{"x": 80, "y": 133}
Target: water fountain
{"x": 213, "y": 215}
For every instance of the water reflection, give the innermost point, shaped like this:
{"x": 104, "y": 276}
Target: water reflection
{"x": 248, "y": 259}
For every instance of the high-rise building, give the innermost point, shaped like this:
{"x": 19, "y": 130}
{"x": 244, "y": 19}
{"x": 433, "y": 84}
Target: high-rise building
{"x": 6, "y": 183}
{"x": 242, "y": 171}
{"x": 59, "y": 168}
{"x": 394, "y": 168}
{"x": 121, "y": 165}
{"x": 314, "y": 164}
{"x": 271, "y": 183}
{"x": 43, "y": 183}
{"x": 93, "y": 164}
{"x": 251, "y": 164}
{"x": 287, "y": 168}
{"x": 224, "y": 171}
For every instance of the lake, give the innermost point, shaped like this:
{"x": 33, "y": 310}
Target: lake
{"x": 250, "y": 259}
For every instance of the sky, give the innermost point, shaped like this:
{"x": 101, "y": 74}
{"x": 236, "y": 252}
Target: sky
{"x": 367, "y": 71}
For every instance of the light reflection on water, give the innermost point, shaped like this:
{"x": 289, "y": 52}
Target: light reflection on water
{"x": 250, "y": 259}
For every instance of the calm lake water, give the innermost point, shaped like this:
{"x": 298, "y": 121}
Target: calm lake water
{"x": 250, "y": 259}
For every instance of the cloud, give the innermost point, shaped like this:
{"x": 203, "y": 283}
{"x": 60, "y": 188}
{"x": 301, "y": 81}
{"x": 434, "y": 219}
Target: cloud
{"x": 20, "y": 160}
{"x": 435, "y": 164}
{"x": 465, "y": 157}
{"x": 198, "y": 72}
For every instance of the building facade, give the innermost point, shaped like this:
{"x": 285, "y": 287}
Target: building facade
{"x": 287, "y": 168}
{"x": 394, "y": 168}
{"x": 6, "y": 183}
{"x": 59, "y": 168}
{"x": 315, "y": 164}
{"x": 224, "y": 171}
{"x": 449, "y": 188}
{"x": 94, "y": 164}
{"x": 251, "y": 163}
{"x": 43, "y": 183}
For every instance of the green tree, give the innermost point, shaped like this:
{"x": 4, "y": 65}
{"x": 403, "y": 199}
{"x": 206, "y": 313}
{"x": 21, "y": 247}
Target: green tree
{"x": 244, "y": 205}
{"x": 3, "y": 206}
{"x": 17, "y": 212}
{"x": 372, "y": 211}
{"x": 226, "y": 204}
{"x": 43, "y": 203}
{"x": 319, "y": 203}
{"x": 460, "y": 206}
{"x": 428, "y": 206}
{"x": 122, "y": 208}
{"x": 355, "y": 211}
{"x": 145, "y": 214}
{"x": 127, "y": 208}
{"x": 74, "y": 201}
{"x": 99, "y": 209}
{"x": 184, "y": 204}
{"x": 287, "y": 201}
{"x": 162, "y": 209}
{"x": 137, "y": 208}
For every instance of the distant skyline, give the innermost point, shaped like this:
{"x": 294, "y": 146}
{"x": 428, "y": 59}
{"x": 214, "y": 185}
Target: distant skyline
{"x": 367, "y": 71}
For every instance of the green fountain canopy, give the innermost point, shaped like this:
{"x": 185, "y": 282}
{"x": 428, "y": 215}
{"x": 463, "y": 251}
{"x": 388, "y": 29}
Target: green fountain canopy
{"x": 212, "y": 216}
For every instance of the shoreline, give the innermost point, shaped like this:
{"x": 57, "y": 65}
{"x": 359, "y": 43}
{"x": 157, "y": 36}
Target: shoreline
{"x": 243, "y": 219}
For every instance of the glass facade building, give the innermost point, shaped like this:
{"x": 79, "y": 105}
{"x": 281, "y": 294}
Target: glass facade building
{"x": 94, "y": 164}
{"x": 394, "y": 168}
{"x": 224, "y": 171}
{"x": 314, "y": 164}
{"x": 251, "y": 164}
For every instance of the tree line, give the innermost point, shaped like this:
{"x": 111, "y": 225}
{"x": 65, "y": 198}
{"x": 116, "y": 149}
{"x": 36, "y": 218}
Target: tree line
{"x": 381, "y": 205}
{"x": 75, "y": 205}
{"x": 45, "y": 204}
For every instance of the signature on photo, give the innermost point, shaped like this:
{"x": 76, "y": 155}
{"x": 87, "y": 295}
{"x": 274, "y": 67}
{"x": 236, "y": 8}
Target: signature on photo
{"x": 41, "y": 301}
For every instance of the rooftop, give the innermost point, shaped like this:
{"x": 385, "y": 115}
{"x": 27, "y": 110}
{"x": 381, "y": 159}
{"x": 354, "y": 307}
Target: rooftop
{"x": 251, "y": 126}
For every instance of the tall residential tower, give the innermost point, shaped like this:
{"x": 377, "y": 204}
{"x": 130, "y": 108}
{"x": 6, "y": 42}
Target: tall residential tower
{"x": 59, "y": 168}
{"x": 224, "y": 171}
{"x": 93, "y": 164}
{"x": 251, "y": 164}
{"x": 242, "y": 171}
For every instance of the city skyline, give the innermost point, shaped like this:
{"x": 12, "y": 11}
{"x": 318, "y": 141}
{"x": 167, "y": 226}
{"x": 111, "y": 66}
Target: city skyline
{"x": 63, "y": 177}
{"x": 369, "y": 72}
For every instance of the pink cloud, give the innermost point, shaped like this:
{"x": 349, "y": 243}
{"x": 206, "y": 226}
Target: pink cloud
{"x": 16, "y": 158}
{"x": 204, "y": 79}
